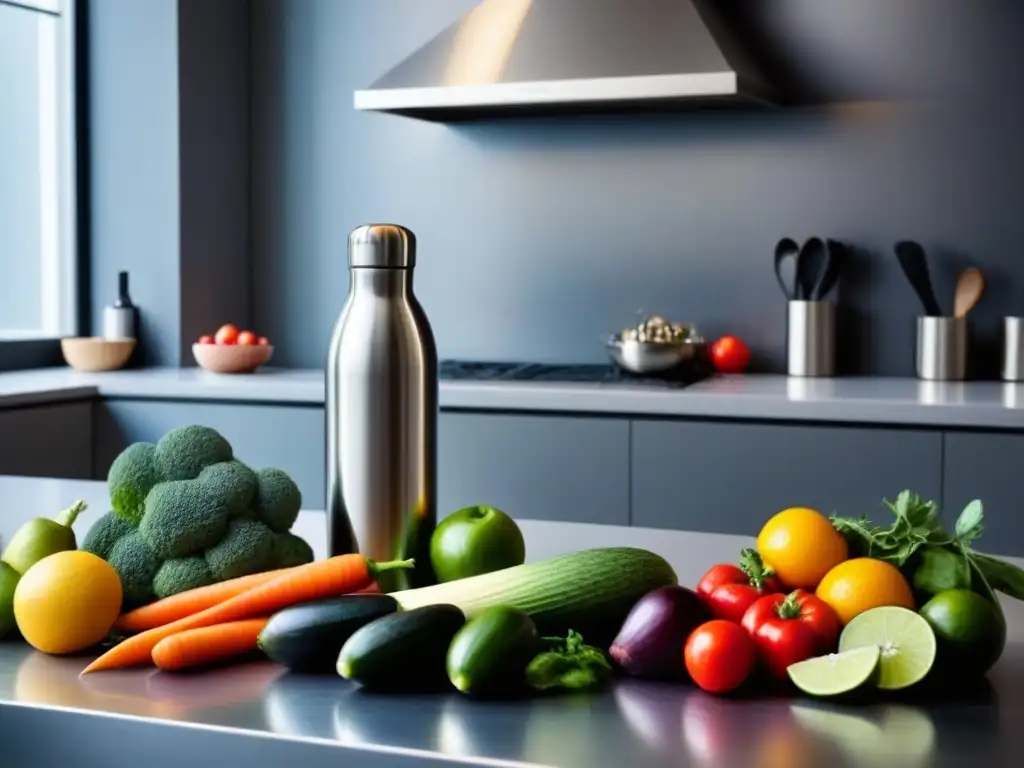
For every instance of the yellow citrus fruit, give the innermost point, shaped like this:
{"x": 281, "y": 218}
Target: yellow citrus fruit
{"x": 862, "y": 583}
{"x": 801, "y": 546}
{"x": 67, "y": 602}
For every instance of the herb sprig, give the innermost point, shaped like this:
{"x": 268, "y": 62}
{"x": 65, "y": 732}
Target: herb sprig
{"x": 568, "y": 664}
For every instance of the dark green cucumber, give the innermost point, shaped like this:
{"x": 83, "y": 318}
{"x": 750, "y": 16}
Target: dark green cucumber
{"x": 489, "y": 655}
{"x": 307, "y": 637}
{"x": 403, "y": 651}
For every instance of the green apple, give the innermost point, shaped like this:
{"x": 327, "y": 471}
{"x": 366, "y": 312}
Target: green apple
{"x": 475, "y": 540}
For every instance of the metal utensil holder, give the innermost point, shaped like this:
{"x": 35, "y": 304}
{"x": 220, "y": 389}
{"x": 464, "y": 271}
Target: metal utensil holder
{"x": 811, "y": 338}
{"x": 1013, "y": 349}
{"x": 942, "y": 348}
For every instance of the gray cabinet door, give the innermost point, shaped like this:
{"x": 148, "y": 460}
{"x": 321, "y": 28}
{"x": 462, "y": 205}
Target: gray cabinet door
{"x": 989, "y": 467}
{"x": 287, "y": 437}
{"x": 47, "y": 441}
{"x": 729, "y": 478}
{"x": 535, "y": 467}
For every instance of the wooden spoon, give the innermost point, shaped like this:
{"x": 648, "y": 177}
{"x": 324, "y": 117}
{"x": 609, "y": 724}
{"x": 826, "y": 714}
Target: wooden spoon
{"x": 970, "y": 287}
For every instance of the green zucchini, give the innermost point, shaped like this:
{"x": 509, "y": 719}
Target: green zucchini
{"x": 307, "y": 637}
{"x": 590, "y": 591}
{"x": 402, "y": 651}
{"x": 489, "y": 655}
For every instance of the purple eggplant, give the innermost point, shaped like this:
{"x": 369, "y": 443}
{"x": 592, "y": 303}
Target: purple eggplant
{"x": 650, "y": 643}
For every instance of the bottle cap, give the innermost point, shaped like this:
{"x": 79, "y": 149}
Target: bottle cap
{"x": 382, "y": 246}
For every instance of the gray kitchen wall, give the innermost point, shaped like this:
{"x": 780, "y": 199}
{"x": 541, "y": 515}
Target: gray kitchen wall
{"x": 539, "y": 236}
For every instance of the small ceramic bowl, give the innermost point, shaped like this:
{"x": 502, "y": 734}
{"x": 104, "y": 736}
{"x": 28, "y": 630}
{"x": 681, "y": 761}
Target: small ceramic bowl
{"x": 94, "y": 353}
{"x": 231, "y": 358}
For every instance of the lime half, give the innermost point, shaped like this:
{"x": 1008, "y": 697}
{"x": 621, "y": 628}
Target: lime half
{"x": 905, "y": 640}
{"x": 837, "y": 673}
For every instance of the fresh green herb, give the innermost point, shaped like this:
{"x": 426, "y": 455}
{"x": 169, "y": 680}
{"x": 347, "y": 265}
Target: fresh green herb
{"x": 568, "y": 664}
{"x": 917, "y": 543}
{"x": 755, "y": 568}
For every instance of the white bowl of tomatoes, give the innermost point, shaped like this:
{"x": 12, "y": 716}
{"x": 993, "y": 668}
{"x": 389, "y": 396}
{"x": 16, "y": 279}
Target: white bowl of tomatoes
{"x": 230, "y": 350}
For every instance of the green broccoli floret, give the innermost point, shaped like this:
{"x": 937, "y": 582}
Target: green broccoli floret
{"x": 184, "y": 452}
{"x": 290, "y": 550}
{"x": 180, "y": 575}
{"x": 232, "y": 481}
{"x": 131, "y": 477}
{"x": 278, "y": 499}
{"x": 136, "y": 564}
{"x": 248, "y": 547}
{"x": 104, "y": 533}
{"x": 183, "y": 517}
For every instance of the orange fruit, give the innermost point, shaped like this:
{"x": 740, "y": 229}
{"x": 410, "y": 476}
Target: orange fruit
{"x": 862, "y": 583}
{"x": 801, "y": 546}
{"x": 67, "y": 602}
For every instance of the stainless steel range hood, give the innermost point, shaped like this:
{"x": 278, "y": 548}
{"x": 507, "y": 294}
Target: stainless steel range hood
{"x": 542, "y": 56}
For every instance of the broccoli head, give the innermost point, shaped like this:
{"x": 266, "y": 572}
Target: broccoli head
{"x": 183, "y": 517}
{"x": 290, "y": 550}
{"x": 184, "y": 452}
{"x": 136, "y": 564}
{"x": 278, "y": 499}
{"x": 232, "y": 481}
{"x": 247, "y": 547}
{"x": 131, "y": 477}
{"x": 187, "y": 514}
{"x": 104, "y": 533}
{"x": 180, "y": 575}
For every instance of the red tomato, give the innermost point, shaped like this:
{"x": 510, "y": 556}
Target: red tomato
{"x": 719, "y": 656}
{"x": 227, "y": 334}
{"x": 730, "y": 355}
{"x": 263, "y": 341}
{"x": 728, "y": 590}
{"x": 206, "y": 339}
{"x": 782, "y": 637}
{"x": 819, "y": 616}
{"x": 246, "y": 339}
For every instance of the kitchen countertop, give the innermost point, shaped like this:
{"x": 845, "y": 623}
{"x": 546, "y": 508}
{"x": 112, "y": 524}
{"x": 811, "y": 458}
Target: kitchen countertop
{"x": 854, "y": 400}
{"x": 256, "y": 715}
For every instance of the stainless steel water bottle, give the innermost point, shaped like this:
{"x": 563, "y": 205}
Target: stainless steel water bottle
{"x": 382, "y": 411}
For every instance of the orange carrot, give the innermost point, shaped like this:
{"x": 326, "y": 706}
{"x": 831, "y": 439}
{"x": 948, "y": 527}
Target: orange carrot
{"x": 193, "y": 601}
{"x": 327, "y": 578}
{"x": 206, "y": 645}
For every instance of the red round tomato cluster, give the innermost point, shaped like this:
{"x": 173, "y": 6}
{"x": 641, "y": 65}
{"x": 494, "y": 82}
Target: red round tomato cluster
{"x": 228, "y": 334}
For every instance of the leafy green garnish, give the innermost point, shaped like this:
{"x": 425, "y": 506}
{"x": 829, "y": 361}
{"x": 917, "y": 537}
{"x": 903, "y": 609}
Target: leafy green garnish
{"x": 569, "y": 664}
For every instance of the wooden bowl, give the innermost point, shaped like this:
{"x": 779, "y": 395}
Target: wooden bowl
{"x": 231, "y": 358}
{"x": 94, "y": 353}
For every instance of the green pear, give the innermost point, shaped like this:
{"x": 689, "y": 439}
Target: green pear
{"x": 41, "y": 537}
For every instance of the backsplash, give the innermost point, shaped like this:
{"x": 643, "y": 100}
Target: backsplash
{"x": 538, "y": 237}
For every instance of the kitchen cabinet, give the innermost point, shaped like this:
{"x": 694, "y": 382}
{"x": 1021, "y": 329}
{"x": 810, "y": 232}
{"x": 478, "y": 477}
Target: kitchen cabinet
{"x": 287, "y": 437}
{"x": 47, "y": 441}
{"x": 986, "y": 466}
{"x": 729, "y": 477}
{"x": 535, "y": 467}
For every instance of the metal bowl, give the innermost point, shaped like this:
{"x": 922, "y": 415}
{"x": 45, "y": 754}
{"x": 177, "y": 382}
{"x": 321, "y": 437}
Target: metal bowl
{"x": 647, "y": 357}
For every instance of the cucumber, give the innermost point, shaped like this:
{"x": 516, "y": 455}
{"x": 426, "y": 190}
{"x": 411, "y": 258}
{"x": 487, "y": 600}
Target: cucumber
{"x": 307, "y": 637}
{"x": 590, "y": 591}
{"x": 489, "y": 654}
{"x": 403, "y": 651}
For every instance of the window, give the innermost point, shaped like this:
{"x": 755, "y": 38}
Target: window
{"x": 38, "y": 240}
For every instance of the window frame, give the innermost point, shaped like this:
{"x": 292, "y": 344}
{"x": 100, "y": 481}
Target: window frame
{"x": 61, "y": 313}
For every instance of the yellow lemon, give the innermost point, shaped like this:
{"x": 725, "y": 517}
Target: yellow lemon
{"x": 67, "y": 602}
{"x": 801, "y": 546}
{"x": 862, "y": 583}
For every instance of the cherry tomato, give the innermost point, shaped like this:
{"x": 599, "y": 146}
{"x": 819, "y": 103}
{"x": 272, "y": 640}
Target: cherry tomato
{"x": 719, "y": 656}
{"x": 246, "y": 339}
{"x": 717, "y": 575}
{"x": 227, "y": 334}
{"x": 728, "y": 590}
{"x": 206, "y": 339}
{"x": 730, "y": 355}
{"x": 263, "y": 341}
{"x": 775, "y": 624}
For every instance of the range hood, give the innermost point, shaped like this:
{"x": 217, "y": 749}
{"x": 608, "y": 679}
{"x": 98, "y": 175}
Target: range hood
{"x": 565, "y": 56}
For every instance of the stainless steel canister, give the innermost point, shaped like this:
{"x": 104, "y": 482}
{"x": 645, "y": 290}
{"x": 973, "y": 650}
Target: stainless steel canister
{"x": 382, "y": 411}
{"x": 1013, "y": 349}
{"x": 811, "y": 338}
{"x": 942, "y": 348}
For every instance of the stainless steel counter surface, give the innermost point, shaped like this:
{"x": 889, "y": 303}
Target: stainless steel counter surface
{"x": 855, "y": 400}
{"x": 255, "y": 715}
